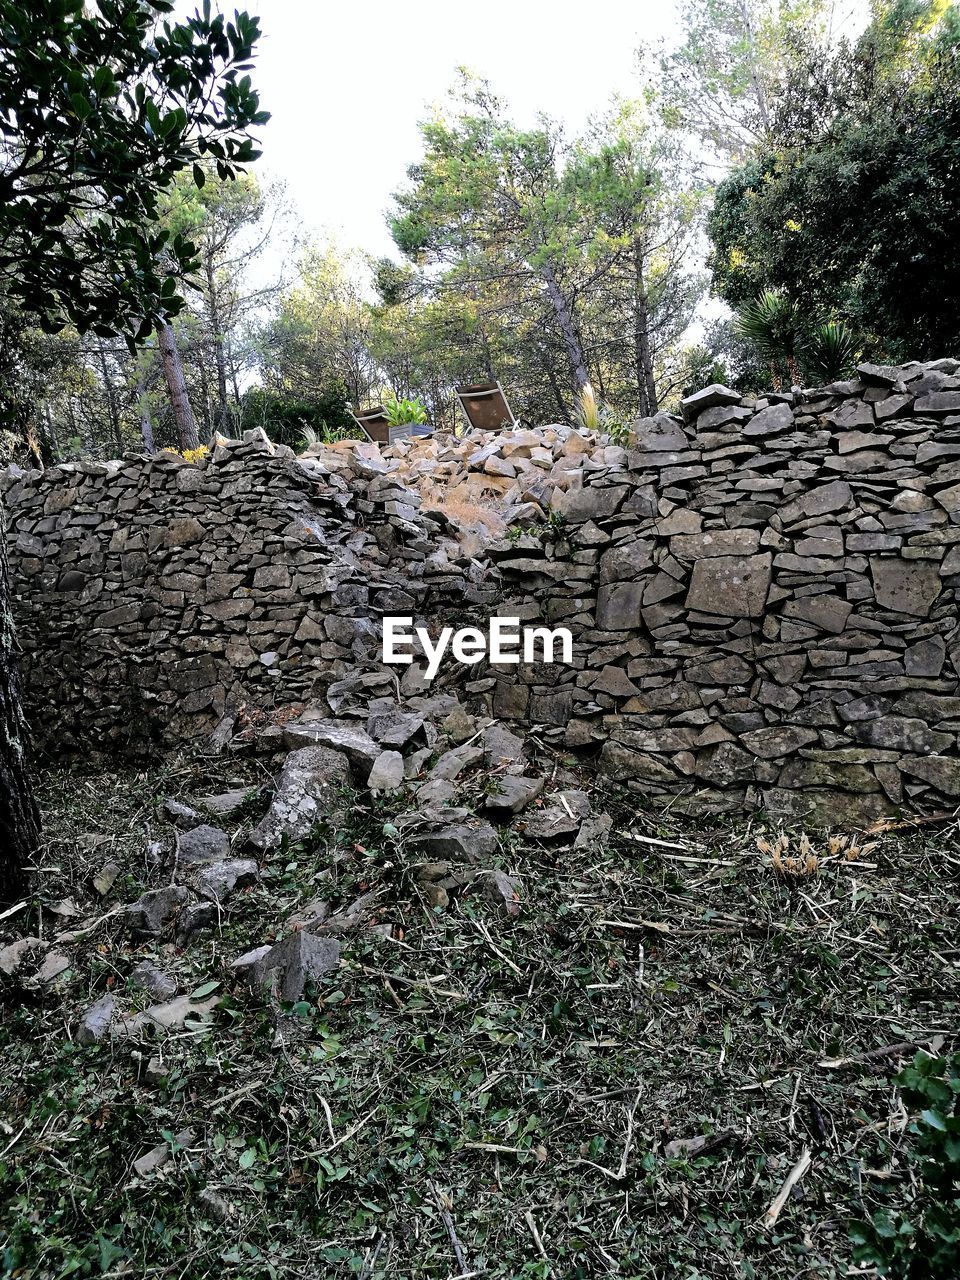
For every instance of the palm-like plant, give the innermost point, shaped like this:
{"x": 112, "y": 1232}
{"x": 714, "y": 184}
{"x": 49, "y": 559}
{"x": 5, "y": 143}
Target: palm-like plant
{"x": 400, "y": 412}
{"x": 772, "y": 323}
{"x": 829, "y": 352}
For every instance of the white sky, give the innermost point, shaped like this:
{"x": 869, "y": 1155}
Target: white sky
{"x": 348, "y": 82}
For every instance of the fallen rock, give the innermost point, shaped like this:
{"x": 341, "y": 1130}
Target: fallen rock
{"x": 390, "y": 726}
{"x": 560, "y": 817}
{"x": 54, "y": 964}
{"x": 502, "y": 892}
{"x": 305, "y": 794}
{"x": 203, "y": 844}
{"x": 513, "y": 793}
{"x": 287, "y": 966}
{"x": 95, "y": 1023}
{"x": 387, "y": 772}
{"x": 155, "y": 981}
{"x": 226, "y": 803}
{"x": 156, "y": 909}
{"x": 340, "y": 736}
{"x": 470, "y": 842}
{"x": 12, "y": 955}
{"x": 158, "y": 1156}
{"x": 180, "y": 814}
{"x": 218, "y": 880}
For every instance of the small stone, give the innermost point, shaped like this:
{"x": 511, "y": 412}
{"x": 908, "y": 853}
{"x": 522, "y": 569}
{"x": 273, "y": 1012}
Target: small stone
{"x": 217, "y": 881}
{"x": 105, "y": 878}
{"x": 503, "y": 893}
{"x": 290, "y": 964}
{"x": 95, "y": 1023}
{"x": 512, "y": 793}
{"x": 155, "y": 981}
{"x": 387, "y": 772}
{"x": 54, "y": 964}
{"x": 203, "y": 844}
{"x": 156, "y": 909}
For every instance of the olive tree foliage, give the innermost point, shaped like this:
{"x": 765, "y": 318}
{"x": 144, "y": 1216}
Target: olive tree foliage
{"x": 100, "y": 109}
{"x": 852, "y": 210}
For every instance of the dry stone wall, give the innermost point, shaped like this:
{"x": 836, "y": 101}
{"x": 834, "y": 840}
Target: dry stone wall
{"x": 154, "y": 596}
{"x": 763, "y": 593}
{"x": 764, "y": 601}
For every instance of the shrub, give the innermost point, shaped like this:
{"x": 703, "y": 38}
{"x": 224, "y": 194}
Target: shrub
{"x": 921, "y": 1241}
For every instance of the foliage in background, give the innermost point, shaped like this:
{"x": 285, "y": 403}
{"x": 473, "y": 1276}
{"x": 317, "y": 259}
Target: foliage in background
{"x": 100, "y": 109}
{"x": 850, "y": 204}
{"x": 773, "y": 324}
{"x": 285, "y": 418}
{"x": 921, "y": 1239}
{"x": 829, "y": 352}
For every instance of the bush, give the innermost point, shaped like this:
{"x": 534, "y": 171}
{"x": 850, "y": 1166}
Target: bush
{"x": 921, "y": 1240}
{"x": 287, "y": 419}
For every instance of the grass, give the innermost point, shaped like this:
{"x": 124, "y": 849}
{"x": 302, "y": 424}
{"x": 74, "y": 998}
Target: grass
{"x": 472, "y": 1095}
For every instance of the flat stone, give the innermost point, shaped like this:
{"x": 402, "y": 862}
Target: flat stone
{"x": 906, "y": 586}
{"x": 95, "y": 1023}
{"x": 926, "y": 657}
{"x": 716, "y": 542}
{"x": 715, "y": 394}
{"x": 469, "y": 842}
{"x": 941, "y": 772}
{"x": 290, "y": 964}
{"x": 203, "y": 844}
{"x": 902, "y": 733}
{"x": 217, "y": 881}
{"x": 512, "y": 793}
{"x": 560, "y": 818}
{"x": 387, "y": 772}
{"x": 156, "y": 909}
{"x": 226, "y": 803}
{"x": 777, "y": 741}
{"x": 338, "y": 735}
{"x": 619, "y": 605}
{"x": 827, "y": 612}
{"x": 155, "y": 981}
{"x": 730, "y": 586}
{"x": 392, "y": 727}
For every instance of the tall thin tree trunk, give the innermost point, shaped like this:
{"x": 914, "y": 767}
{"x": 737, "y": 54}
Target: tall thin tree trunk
{"x": 110, "y": 392}
{"x": 50, "y": 434}
{"x": 568, "y": 328}
{"x": 177, "y": 387}
{"x": 222, "y": 420}
{"x": 646, "y": 384}
{"x": 19, "y": 816}
{"x": 146, "y": 424}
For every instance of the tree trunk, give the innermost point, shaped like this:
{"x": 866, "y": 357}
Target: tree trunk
{"x": 568, "y": 328}
{"x": 177, "y": 387}
{"x": 646, "y": 385}
{"x": 146, "y": 425}
{"x": 110, "y": 393}
{"x": 222, "y": 420}
{"x": 19, "y": 817}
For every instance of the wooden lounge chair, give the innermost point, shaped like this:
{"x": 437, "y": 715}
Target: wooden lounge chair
{"x": 485, "y": 407}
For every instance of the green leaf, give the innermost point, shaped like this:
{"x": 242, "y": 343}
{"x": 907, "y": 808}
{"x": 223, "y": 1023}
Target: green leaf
{"x": 199, "y": 176}
{"x": 205, "y": 990}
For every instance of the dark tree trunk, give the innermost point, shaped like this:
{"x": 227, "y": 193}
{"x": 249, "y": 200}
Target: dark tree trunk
{"x": 646, "y": 385}
{"x": 19, "y": 816}
{"x": 177, "y": 387}
{"x": 567, "y": 325}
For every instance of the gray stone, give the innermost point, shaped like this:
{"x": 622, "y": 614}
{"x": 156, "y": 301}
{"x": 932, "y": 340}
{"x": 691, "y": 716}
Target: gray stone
{"x": 560, "y": 818}
{"x": 306, "y": 793}
{"x": 941, "y": 772}
{"x": 95, "y": 1023}
{"x": 777, "y": 741}
{"x": 715, "y": 394}
{"x": 926, "y": 657}
{"x": 155, "y": 981}
{"x": 217, "y": 881}
{"x": 227, "y": 803}
{"x": 902, "y": 733}
{"x": 512, "y": 793}
{"x": 469, "y": 842}
{"x": 906, "y": 586}
{"x": 387, "y": 772}
{"x": 730, "y": 586}
{"x": 203, "y": 844}
{"x": 287, "y": 967}
{"x": 392, "y": 727}
{"x": 338, "y": 735}
{"x": 156, "y": 909}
